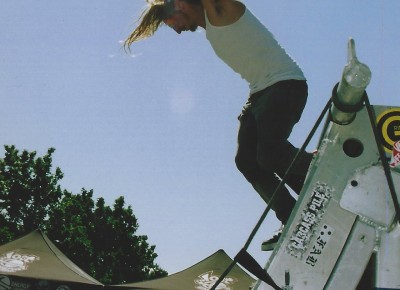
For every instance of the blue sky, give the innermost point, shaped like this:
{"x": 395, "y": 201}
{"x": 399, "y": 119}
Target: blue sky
{"x": 159, "y": 125}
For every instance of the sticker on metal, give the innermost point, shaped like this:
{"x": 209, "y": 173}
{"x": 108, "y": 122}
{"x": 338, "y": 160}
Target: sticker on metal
{"x": 388, "y": 123}
{"x": 311, "y": 216}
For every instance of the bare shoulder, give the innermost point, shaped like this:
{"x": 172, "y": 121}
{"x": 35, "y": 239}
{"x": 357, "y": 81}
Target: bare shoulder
{"x": 223, "y": 12}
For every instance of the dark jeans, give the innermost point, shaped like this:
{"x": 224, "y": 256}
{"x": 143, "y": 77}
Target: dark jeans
{"x": 264, "y": 153}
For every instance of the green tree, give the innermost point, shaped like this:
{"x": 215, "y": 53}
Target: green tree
{"x": 28, "y": 191}
{"x": 70, "y": 227}
{"x": 98, "y": 238}
{"x": 101, "y": 239}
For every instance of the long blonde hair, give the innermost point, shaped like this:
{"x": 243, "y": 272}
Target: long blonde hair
{"x": 150, "y": 20}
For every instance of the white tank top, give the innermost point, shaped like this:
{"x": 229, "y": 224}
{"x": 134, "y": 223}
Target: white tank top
{"x": 251, "y": 50}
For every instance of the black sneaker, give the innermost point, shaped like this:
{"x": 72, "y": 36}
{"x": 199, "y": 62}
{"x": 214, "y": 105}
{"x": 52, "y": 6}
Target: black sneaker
{"x": 269, "y": 245}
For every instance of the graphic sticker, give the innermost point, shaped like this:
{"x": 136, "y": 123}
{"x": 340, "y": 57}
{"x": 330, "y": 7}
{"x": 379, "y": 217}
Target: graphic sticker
{"x": 207, "y": 280}
{"x": 12, "y": 262}
{"x": 319, "y": 245}
{"x": 310, "y": 217}
{"x": 395, "y": 160}
{"x": 388, "y": 124}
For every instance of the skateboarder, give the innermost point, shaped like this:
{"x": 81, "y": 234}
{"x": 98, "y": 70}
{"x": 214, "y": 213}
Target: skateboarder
{"x": 278, "y": 89}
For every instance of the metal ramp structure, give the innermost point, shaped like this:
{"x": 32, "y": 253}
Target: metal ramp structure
{"x": 344, "y": 232}
{"x": 344, "y": 217}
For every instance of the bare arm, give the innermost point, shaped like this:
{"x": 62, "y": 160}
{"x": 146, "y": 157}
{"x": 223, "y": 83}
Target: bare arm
{"x": 214, "y": 6}
{"x": 223, "y": 12}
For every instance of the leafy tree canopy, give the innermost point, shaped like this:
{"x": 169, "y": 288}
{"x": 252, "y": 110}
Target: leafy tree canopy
{"x": 98, "y": 238}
